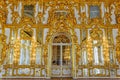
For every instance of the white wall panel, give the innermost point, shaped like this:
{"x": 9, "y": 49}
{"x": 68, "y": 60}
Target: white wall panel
{"x": 45, "y": 34}
{"x": 115, "y": 33}
{"x": 7, "y": 33}
{"x": 77, "y": 31}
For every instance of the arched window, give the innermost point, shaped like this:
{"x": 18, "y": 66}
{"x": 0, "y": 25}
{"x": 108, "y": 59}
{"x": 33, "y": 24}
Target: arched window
{"x": 26, "y": 35}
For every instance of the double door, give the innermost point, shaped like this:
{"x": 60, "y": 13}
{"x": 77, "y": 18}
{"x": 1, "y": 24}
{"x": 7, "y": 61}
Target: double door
{"x": 61, "y": 60}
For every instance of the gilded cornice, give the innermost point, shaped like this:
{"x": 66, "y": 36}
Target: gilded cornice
{"x": 76, "y": 1}
{"x": 69, "y": 3}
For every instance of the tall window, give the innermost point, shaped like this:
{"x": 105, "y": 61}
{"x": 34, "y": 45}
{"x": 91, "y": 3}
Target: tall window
{"x": 98, "y": 55}
{"x": 94, "y": 11}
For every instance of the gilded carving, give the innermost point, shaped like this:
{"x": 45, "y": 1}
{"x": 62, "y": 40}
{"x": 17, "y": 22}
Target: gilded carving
{"x": 118, "y": 47}
{"x": 30, "y": 18}
{"x": 3, "y": 48}
{"x": 26, "y": 33}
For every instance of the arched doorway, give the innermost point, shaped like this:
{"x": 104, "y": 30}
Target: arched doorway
{"x": 61, "y": 56}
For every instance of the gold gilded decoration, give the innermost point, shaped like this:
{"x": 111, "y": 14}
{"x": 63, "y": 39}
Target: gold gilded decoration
{"x": 87, "y": 37}
{"x": 26, "y": 33}
{"x": 118, "y": 47}
{"x": 96, "y": 33}
{"x": 3, "y": 48}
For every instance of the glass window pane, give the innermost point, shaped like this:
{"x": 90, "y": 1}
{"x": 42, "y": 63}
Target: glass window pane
{"x": 56, "y": 55}
{"x": 94, "y": 11}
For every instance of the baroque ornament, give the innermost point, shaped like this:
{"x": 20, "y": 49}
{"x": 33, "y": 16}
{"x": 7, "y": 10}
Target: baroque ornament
{"x": 51, "y": 38}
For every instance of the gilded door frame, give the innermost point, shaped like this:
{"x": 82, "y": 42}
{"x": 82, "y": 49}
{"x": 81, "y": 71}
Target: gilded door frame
{"x": 48, "y": 44}
{"x": 70, "y": 44}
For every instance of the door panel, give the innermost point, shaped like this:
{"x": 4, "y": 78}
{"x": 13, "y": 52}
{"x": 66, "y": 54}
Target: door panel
{"x": 56, "y": 58}
{"x": 66, "y": 61}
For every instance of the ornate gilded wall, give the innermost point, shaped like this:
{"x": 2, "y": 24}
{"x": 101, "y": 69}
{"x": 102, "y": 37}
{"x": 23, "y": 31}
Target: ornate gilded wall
{"x": 28, "y": 28}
